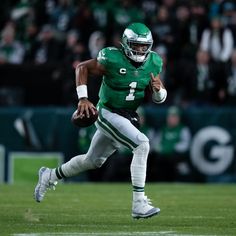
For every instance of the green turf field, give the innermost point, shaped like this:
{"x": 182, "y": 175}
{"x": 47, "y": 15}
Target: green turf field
{"x": 105, "y": 209}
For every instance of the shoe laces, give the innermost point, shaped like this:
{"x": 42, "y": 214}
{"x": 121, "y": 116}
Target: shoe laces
{"x": 52, "y": 185}
{"x": 49, "y": 185}
{"x": 147, "y": 200}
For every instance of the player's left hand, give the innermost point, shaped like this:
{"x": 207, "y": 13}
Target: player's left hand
{"x": 156, "y": 82}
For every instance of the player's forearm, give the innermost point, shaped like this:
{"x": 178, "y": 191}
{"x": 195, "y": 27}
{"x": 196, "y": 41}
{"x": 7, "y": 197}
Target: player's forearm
{"x": 81, "y": 77}
{"x": 83, "y": 71}
{"x": 81, "y": 74}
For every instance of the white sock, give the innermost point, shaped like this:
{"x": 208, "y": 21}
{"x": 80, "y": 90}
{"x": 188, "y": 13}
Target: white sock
{"x": 71, "y": 168}
{"x": 137, "y": 195}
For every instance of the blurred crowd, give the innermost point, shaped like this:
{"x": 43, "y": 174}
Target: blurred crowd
{"x": 195, "y": 38}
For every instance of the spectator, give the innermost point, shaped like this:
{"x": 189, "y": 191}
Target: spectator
{"x": 74, "y": 52}
{"x": 171, "y": 6}
{"x": 202, "y": 82}
{"x": 214, "y": 8}
{"x": 198, "y": 22}
{"x": 231, "y": 80}
{"x": 162, "y": 28}
{"x": 198, "y": 81}
{"x": 30, "y": 39}
{"x": 218, "y": 41}
{"x": 22, "y": 15}
{"x": 62, "y": 17}
{"x": 149, "y": 7}
{"x": 182, "y": 31}
{"x": 11, "y": 50}
{"x": 43, "y": 11}
{"x": 101, "y": 13}
{"x": 84, "y": 21}
{"x": 230, "y": 18}
{"x": 228, "y": 8}
{"x": 46, "y": 49}
{"x": 169, "y": 160}
{"x": 96, "y": 42}
{"x": 126, "y": 12}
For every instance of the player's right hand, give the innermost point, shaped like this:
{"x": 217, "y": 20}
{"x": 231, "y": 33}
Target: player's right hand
{"x": 84, "y": 106}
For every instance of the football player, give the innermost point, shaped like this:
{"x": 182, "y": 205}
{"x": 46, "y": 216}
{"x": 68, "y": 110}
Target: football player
{"x": 126, "y": 71}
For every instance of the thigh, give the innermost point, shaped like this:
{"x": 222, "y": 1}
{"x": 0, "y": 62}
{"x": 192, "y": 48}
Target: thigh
{"x": 101, "y": 146}
{"x": 120, "y": 129}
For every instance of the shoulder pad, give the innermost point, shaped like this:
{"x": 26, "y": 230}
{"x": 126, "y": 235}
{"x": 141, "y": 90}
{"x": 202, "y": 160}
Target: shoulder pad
{"x": 157, "y": 60}
{"x": 107, "y": 55}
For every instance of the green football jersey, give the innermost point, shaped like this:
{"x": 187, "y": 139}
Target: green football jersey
{"x": 124, "y": 85}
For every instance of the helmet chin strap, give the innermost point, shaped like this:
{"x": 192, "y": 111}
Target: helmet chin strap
{"x": 137, "y": 58}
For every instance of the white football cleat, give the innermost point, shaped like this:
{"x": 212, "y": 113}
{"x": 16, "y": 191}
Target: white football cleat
{"x": 142, "y": 208}
{"x": 43, "y": 184}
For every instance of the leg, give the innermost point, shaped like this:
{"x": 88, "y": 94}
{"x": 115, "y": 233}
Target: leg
{"x": 121, "y": 130}
{"x": 101, "y": 148}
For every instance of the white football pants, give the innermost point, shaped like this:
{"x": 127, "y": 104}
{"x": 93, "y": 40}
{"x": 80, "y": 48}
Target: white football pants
{"x": 113, "y": 130}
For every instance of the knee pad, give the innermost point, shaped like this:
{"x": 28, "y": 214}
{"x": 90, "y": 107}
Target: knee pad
{"x": 144, "y": 146}
{"x": 142, "y": 149}
{"x": 141, "y": 152}
{"x": 142, "y": 138}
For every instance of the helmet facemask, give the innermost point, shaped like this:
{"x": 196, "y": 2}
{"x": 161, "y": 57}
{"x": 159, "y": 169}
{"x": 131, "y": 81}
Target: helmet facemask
{"x": 137, "y": 42}
{"x": 137, "y": 51}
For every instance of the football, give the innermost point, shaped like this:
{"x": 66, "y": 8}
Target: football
{"x": 85, "y": 121}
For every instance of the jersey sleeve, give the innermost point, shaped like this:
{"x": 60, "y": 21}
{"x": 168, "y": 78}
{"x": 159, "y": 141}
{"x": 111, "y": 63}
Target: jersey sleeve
{"x": 160, "y": 67}
{"x": 158, "y": 64}
{"x": 108, "y": 56}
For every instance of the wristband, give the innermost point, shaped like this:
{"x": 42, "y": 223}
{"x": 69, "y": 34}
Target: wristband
{"x": 82, "y": 91}
{"x": 160, "y": 96}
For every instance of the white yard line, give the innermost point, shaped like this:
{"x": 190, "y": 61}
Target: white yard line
{"x": 159, "y": 233}
{"x": 166, "y": 233}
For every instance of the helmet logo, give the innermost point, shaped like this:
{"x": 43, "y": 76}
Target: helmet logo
{"x": 122, "y": 71}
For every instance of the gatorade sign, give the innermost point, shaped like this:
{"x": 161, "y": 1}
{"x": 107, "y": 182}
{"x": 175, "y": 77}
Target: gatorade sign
{"x": 211, "y": 152}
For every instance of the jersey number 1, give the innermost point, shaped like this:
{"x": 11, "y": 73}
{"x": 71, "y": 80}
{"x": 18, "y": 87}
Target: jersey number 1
{"x": 131, "y": 96}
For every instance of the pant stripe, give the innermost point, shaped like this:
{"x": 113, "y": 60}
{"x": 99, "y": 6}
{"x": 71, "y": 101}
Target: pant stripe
{"x": 103, "y": 119}
{"x": 114, "y": 134}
